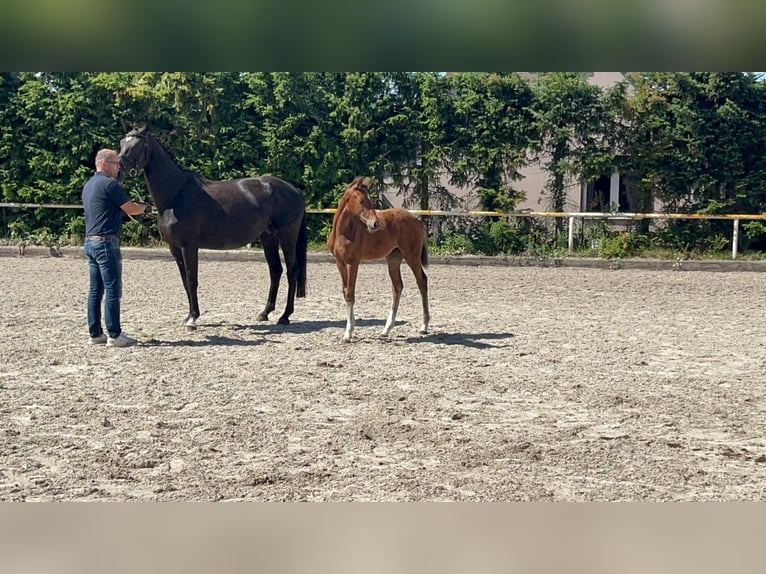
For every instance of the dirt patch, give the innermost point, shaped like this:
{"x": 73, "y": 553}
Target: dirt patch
{"x": 534, "y": 384}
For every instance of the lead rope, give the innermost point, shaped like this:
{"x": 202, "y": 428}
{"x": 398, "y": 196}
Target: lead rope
{"x": 148, "y": 209}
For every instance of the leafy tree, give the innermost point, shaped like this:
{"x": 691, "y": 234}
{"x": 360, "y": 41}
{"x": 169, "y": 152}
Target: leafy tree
{"x": 299, "y": 138}
{"x": 571, "y": 118}
{"x": 59, "y": 120}
{"x": 698, "y": 141}
{"x": 489, "y": 134}
{"x": 363, "y": 111}
{"x": 11, "y": 146}
{"x": 701, "y": 140}
{"x": 194, "y": 114}
{"x": 416, "y": 146}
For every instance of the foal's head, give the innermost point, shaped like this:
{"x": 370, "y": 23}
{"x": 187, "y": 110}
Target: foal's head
{"x": 134, "y": 152}
{"x": 356, "y": 200}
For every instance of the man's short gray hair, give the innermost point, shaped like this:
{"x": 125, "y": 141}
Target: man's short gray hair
{"x": 104, "y": 154}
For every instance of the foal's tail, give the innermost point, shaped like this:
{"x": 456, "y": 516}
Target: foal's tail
{"x": 301, "y": 247}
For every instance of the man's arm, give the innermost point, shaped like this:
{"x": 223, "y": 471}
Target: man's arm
{"x": 133, "y": 208}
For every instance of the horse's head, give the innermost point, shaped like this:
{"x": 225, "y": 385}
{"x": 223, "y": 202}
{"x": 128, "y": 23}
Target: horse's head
{"x": 134, "y": 152}
{"x": 358, "y": 203}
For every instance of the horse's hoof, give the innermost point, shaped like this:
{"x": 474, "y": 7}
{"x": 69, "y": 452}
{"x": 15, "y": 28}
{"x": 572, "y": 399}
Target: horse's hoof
{"x": 283, "y": 321}
{"x": 262, "y": 317}
{"x": 191, "y": 327}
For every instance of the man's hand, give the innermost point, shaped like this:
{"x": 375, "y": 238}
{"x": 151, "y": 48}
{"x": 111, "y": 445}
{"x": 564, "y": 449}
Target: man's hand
{"x": 147, "y": 206}
{"x": 135, "y": 207}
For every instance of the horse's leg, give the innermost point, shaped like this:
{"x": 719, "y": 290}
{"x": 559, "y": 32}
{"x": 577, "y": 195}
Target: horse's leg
{"x": 394, "y": 260}
{"x": 191, "y": 262}
{"x": 270, "y": 244}
{"x": 179, "y": 258}
{"x": 343, "y": 276}
{"x": 422, "y": 281}
{"x": 349, "y": 287}
{"x": 288, "y": 240}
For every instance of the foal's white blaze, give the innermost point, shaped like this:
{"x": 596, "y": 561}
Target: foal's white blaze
{"x": 349, "y": 322}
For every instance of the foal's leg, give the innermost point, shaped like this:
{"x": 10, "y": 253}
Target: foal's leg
{"x": 348, "y": 273}
{"x": 343, "y": 276}
{"x": 270, "y": 244}
{"x": 422, "y": 281}
{"x": 394, "y": 260}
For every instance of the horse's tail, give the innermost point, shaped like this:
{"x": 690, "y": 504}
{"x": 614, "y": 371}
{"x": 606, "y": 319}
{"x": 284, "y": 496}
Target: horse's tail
{"x": 424, "y": 250}
{"x": 301, "y": 248}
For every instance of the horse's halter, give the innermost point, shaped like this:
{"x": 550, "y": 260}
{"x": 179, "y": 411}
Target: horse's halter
{"x": 138, "y": 160}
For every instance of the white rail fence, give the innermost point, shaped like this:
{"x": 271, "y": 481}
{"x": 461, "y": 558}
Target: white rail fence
{"x": 569, "y": 215}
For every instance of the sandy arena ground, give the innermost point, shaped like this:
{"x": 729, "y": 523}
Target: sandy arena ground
{"x": 535, "y": 384}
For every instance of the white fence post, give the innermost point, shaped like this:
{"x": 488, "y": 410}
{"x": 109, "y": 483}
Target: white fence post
{"x": 735, "y": 239}
{"x": 570, "y": 236}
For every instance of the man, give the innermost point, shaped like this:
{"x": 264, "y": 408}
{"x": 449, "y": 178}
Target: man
{"x": 105, "y": 202}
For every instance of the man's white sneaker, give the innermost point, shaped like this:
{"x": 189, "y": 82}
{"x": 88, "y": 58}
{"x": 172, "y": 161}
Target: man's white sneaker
{"x": 100, "y": 340}
{"x": 122, "y": 340}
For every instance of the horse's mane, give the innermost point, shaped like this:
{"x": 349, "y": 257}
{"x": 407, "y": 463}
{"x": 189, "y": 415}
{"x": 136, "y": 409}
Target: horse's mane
{"x": 197, "y": 177}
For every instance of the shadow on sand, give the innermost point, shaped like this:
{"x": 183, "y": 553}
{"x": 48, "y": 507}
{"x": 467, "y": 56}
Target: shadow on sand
{"x": 206, "y": 342}
{"x": 475, "y": 340}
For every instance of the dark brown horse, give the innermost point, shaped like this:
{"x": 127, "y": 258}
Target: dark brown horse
{"x": 360, "y": 233}
{"x": 195, "y": 212}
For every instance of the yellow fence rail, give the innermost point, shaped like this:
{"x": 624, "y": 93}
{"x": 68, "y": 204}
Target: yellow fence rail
{"x": 571, "y": 216}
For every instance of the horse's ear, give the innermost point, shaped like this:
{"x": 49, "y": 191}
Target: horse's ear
{"x": 366, "y": 182}
{"x": 90, "y": 162}
{"x": 125, "y": 125}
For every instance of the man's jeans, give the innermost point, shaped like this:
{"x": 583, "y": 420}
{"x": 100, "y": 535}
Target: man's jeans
{"x": 105, "y": 266}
